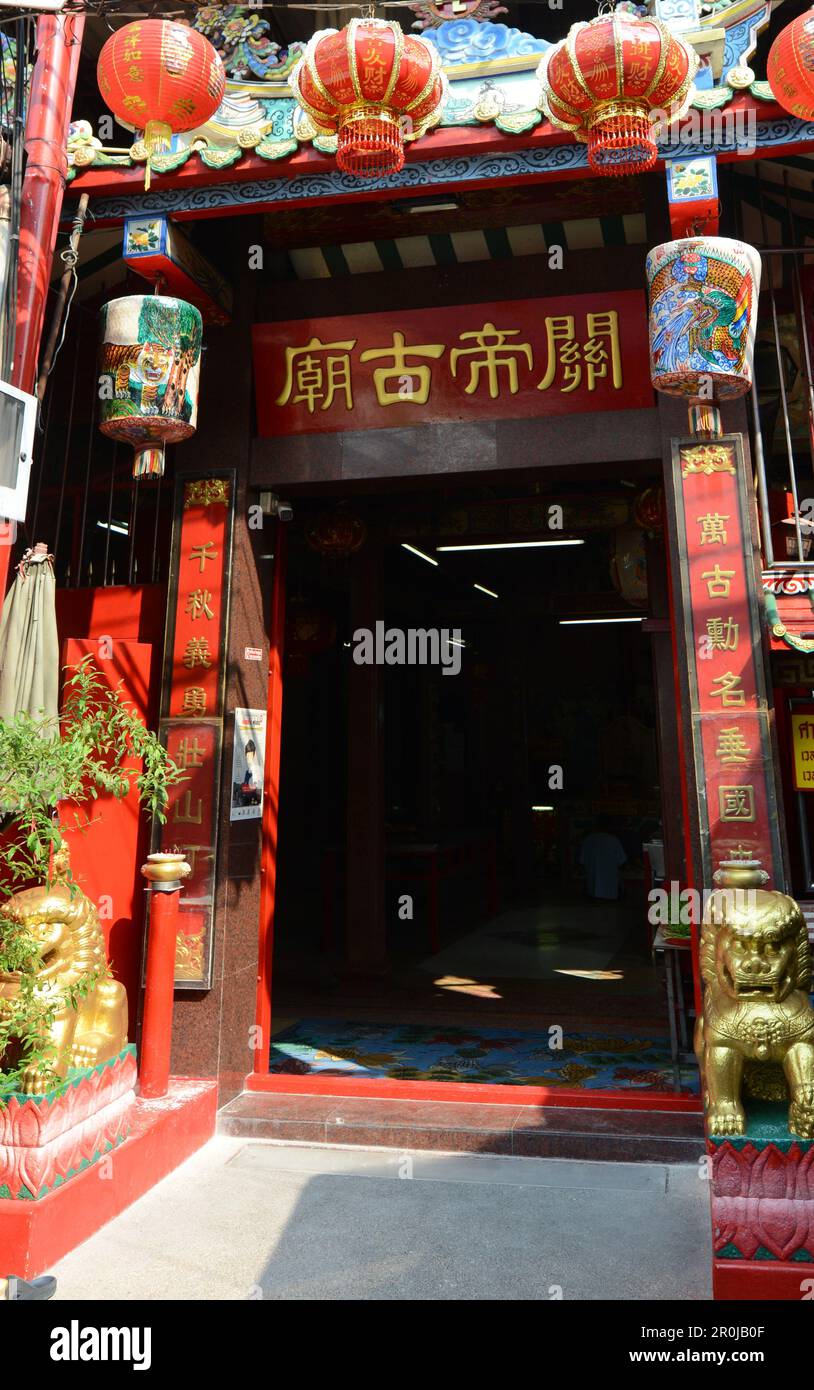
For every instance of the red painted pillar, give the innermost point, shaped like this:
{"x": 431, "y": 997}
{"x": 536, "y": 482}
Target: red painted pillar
{"x": 59, "y": 43}
{"x": 164, "y": 873}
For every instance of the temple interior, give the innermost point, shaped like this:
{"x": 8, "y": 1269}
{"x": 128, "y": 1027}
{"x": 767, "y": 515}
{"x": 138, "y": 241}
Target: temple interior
{"x": 469, "y": 900}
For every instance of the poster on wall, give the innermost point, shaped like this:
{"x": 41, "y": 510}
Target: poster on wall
{"x": 247, "y": 764}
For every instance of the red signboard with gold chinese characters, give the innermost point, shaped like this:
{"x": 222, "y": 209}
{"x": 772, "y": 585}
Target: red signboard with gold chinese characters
{"x": 802, "y": 745}
{"x": 728, "y": 702}
{"x": 518, "y": 358}
{"x": 192, "y": 705}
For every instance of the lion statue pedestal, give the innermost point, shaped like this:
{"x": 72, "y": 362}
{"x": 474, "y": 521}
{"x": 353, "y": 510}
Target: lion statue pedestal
{"x": 755, "y": 1044}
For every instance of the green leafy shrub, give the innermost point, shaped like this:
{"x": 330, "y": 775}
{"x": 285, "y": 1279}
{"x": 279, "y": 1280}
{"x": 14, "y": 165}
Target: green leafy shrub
{"x": 46, "y": 763}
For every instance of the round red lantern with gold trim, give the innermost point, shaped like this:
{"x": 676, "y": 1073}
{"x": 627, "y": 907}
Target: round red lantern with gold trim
{"x": 375, "y": 87}
{"x": 648, "y": 509}
{"x": 309, "y": 629}
{"x": 160, "y": 77}
{"x": 609, "y": 82}
{"x": 790, "y": 68}
{"x": 337, "y": 534}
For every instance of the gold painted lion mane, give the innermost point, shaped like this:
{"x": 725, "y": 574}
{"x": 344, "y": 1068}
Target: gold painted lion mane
{"x": 65, "y": 925}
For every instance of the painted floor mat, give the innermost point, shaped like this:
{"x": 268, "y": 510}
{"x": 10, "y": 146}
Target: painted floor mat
{"x": 418, "y": 1052}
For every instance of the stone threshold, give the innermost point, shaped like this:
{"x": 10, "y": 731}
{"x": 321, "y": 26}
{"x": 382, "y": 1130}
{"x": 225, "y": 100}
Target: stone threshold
{"x": 637, "y": 1136}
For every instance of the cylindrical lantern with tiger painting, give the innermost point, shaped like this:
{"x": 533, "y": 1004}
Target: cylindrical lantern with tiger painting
{"x": 149, "y": 370}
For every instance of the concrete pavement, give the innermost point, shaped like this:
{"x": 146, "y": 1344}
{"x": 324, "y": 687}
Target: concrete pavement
{"x": 257, "y": 1220}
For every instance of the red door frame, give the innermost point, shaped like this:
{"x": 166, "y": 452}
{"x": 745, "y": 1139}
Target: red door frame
{"x": 379, "y": 1088}
{"x": 271, "y": 801}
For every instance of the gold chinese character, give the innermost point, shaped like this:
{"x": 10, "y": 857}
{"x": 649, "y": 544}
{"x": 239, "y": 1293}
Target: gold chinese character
{"x": 373, "y": 69}
{"x": 194, "y": 701}
{"x": 595, "y": 354}
{"x": 490, "y": 354}
{"x": 190, "y": 754}
{"x": 732, "y": 747}
{"x": 192, "y": 852}
{"x": 202, "y": 553}
{"x": 730, "y": 692}
{"x": 311, "y": 378}
{"x": 403, "y": 374}
{"x": 184, "y": 814}
{"x": 183, "y": 106}
{"x": 563, "y": 350}
{"x": 197, "y": 653}
{"x": 736, "y": 803}
{"x": 718, "y": 581}
{"x": 712, "y": 529}
{"x": 198, "y": 603}
{"x": 723, "y": 634}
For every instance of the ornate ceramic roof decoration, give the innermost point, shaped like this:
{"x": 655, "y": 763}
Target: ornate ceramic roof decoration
{"x": 241, "y": 38}
{"x": 465, "y": 41}
{"x": 431, "y": 13}
{"x": 490, "y": 69}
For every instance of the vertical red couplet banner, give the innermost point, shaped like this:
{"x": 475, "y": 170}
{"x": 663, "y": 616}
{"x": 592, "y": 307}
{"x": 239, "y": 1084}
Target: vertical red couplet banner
{"x": 731, "y": 744}
{"x": 192, "y": 706}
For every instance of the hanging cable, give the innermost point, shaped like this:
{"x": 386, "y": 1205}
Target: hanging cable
{"x": 65, "y": 296}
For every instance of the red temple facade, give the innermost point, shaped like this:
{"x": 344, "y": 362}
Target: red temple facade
{"x": 478, "y": 656}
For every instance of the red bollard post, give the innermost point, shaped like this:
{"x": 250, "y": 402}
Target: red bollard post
{"x": 164, "y": 874}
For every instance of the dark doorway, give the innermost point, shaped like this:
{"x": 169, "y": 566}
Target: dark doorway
{"x": 470, "y": 808}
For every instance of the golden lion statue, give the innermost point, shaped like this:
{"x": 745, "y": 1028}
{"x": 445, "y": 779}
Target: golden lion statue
{"x": 65, "y": 926}
{"x": 757, "y": 1026}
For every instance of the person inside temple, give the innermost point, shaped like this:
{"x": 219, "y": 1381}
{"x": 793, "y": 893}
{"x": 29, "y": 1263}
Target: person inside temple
{"x": 602, "y": 856}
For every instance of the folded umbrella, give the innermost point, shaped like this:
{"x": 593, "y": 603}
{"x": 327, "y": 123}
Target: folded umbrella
{"x": 29, "y": 646}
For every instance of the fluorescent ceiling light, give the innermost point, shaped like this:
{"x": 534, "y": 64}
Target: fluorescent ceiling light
{"x": 542, "y": 808}
{"x": 571, "y": 622}
{"x": 419, "y": 553}
{"x": 120, "y": 527}
{"x": 506, "y": 545}
{"x": 432, "y": 207}
{"x": 484, "y": 590}
{"x": 431, "y": 203}
{"x": 453, "y": 642}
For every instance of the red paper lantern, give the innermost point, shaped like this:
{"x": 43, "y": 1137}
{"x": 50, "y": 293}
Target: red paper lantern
{"x": 607, "y": 80}
{"x": 309, "y": 629}
{"x": 374, "y": 86}
{"x": 648, "y": 509}
{"x": 160, "y": 77}
{"x": 337, "y": 534}
{"x": 790, "y": 68}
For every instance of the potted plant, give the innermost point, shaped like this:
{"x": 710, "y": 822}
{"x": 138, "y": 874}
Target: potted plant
{"x": 59, "y": 1006}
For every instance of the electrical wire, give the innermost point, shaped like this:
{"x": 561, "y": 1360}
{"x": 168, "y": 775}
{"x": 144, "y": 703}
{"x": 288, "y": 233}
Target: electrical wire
{"x": 69, "y": 257}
